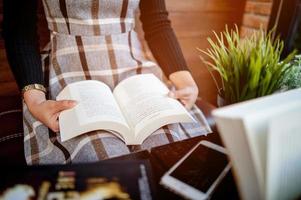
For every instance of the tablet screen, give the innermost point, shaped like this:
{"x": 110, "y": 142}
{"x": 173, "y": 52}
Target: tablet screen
{"x": 201, "y": 168}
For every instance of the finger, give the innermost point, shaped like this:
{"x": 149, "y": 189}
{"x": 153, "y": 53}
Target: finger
{"x": 56, "y": 116}
{"x": 55, "y": 126}
{"x": 188, "y": 97}
{"x": 189, "y": 104}
{"x": 53, "y": 122}
{"x": 184, "y": 102}
{"x": 64, "y": 105}
{"x": 172, "y": 92}
{"x": 182, "y": 93}
{"x": 169, "y": 85}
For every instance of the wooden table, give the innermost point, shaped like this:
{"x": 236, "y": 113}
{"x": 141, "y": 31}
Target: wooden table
{"x": 161, "y": 158}
{"x": 164, "y": 157}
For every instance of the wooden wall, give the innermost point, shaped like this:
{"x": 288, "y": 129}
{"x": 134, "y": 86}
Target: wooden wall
{"x": 193, "y": 22}
{"x": 257, "y": 14}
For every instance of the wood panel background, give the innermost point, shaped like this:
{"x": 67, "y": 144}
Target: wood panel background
{"x": 256, "y": 16}
{"x": 193, "y": 22}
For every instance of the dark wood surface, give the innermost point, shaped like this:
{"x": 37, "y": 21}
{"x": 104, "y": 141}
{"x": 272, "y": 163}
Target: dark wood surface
{"x": 161, "y": 158}
{"x": 164, "y": 157}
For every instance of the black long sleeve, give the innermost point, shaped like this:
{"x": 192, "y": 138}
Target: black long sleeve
{"x": 21, "y": 41}
{"x": 160, "y": 36}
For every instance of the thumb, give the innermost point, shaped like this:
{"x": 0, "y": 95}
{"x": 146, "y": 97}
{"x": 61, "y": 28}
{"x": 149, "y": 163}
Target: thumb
{"x": 64, "y": 105}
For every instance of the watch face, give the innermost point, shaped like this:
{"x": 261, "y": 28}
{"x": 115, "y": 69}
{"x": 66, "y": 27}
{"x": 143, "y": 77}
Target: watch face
{"x": 34, "y": 86}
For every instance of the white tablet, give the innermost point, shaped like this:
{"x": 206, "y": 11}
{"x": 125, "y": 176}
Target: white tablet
{"x": 198, "y": 173}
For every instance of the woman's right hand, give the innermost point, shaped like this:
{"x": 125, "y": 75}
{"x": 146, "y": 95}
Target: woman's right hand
{"x": 46, "y": 111}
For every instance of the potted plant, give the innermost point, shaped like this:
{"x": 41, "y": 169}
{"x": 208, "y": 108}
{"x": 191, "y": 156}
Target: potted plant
{"x": 292, "y": 80}
{"x": 249, "y": 67}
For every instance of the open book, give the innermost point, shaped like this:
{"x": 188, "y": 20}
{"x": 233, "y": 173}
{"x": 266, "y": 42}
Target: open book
{"x": 263, "y": 138}
{"x": 137, "y": 107}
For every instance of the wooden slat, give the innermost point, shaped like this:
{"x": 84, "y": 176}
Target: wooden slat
{"x": 8, "y": 89}
{"x": 192, "y": 25}
{"x": 262, "y": 8}
{"x": 255, "y": 21}
{"x": 204, "y": 5}
{"x": 256, "y": 16}
{"x": 6, "y": 75}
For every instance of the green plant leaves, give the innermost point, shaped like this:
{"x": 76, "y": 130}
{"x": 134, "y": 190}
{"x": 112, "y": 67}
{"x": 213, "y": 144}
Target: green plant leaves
{"x": 249, "y": 67}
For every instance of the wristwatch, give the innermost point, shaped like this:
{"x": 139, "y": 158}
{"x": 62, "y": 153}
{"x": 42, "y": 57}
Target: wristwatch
{"x": 33, "y": 87}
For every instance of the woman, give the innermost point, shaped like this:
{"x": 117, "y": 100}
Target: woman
{"x": 91, "y": 39}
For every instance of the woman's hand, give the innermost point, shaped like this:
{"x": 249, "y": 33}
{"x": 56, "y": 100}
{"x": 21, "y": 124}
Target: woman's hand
{"x": 46, "y": 111}
{"x": 185, "y": 90}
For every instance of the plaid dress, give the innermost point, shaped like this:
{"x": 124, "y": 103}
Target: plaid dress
{"x": 94, "y": 39}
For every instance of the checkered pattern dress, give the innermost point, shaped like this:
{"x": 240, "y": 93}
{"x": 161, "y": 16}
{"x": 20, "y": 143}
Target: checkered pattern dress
{"x": 94, "y": 39}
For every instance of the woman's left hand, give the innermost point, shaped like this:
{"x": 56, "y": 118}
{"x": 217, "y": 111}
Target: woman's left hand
{"x": 185, "y": 90}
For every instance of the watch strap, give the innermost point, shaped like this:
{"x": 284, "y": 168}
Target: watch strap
{"x": 33, "y": 87}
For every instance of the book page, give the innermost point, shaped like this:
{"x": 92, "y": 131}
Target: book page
{"x": 96, "y": 104}
{"x": 256, "y": 125}
{"x": 284, "y": 156}
{"x": 146, "y": 106}
{"x": 233, "y": 134}
{"x": 249, "y": 157}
